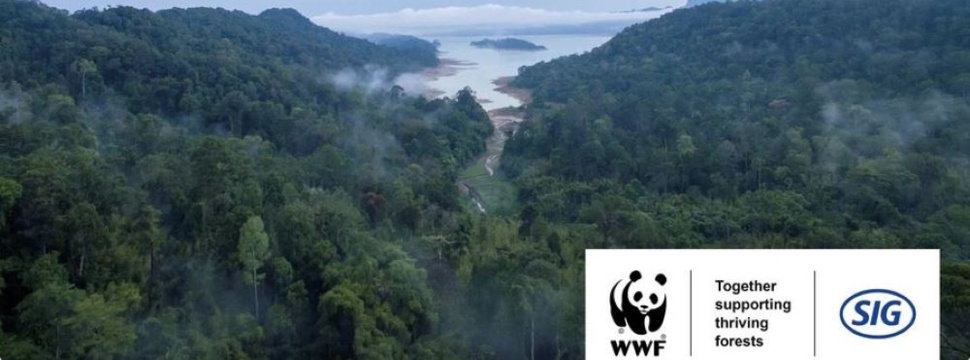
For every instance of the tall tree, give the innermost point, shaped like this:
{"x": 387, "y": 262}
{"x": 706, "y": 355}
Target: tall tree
{"x": 252, "y": 253}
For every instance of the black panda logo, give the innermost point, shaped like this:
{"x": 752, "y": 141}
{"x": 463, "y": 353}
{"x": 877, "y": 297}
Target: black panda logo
{"x": 641, "y": 301}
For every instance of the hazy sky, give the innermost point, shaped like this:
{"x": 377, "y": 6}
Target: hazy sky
{"x": 421, "y": 17}
{"x": 357, "y": 7}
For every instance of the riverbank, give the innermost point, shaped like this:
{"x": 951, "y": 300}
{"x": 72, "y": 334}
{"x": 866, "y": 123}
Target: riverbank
{"x": 481, "y": 181}
{"x": 504, "y": 85}
{"x": 490, "y": 73}
{"x": 505, "y": 121}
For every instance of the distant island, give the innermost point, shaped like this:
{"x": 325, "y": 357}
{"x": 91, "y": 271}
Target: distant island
{"x": 508, "y": 44}
{"x": 649, "y": 9}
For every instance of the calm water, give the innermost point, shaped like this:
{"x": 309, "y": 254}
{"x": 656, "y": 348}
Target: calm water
{"x": 490, "y": 64}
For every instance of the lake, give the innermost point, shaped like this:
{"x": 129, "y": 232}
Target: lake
{"x": 478, "y": 68}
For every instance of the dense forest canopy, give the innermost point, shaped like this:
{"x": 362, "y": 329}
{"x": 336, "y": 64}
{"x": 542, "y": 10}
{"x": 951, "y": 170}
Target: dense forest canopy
{"x": 195, "y": 183}
{"x": 786, "y": 123}
{"x": 191, "y": 184}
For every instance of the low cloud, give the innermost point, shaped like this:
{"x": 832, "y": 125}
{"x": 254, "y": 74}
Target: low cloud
{"x": 375, "y": 79}
{"x": 489, "y": 18}
{"x": 371, "y": 79}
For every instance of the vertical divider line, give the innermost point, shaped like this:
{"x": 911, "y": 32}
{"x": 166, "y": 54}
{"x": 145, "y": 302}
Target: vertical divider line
{"x": 691, "y": 316}
{"x": 814, "y": 313}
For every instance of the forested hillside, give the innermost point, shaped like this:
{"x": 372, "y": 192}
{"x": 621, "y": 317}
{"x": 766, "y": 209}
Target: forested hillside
{"x": 785, "y": 123}
{"x": 190, "y": 184}
{"x": 692, "y": 3}
{"x": 404, "y": 42}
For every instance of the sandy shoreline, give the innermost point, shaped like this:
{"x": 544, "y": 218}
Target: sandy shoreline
{"x": 450, "y": 67}
{"x": 506, "y": 111}
{"x": 446, "y": 67}
{"x": 503, "y": 85}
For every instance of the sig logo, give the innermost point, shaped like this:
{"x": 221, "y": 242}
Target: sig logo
{"x": 878, "y": 314}
{"x": 640, "y": 307}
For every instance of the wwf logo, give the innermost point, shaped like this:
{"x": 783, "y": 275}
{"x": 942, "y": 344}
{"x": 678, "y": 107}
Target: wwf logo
{"x": 641, "y": 306}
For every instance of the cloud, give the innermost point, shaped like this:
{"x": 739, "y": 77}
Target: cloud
{"x": 488, "y": 18}
{"x": 374, "y": 79}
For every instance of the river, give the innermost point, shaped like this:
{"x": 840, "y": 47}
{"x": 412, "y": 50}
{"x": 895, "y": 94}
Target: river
{"x": 483, "y": 70}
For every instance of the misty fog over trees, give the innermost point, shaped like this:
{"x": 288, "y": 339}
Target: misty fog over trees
{"x": 203, "y": 183}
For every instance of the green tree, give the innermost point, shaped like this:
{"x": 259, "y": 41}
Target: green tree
{"x": 99, "y": 328}
{"x": 84, "y": 68}
{"x": 253, "y": 251}
{"x": 10, "y": 192}
{"x": 45, "y": 312}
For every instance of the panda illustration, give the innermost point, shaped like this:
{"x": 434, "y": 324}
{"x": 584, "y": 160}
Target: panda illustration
{"x": 639, "y": 301}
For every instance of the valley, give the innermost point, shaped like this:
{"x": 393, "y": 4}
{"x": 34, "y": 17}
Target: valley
{"x": 489, "y": 72}
{"x": 206, "y": 183}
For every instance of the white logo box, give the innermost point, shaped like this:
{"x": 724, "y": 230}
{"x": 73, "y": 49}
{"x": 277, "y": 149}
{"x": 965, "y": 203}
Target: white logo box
{"x": 816, "y": 283}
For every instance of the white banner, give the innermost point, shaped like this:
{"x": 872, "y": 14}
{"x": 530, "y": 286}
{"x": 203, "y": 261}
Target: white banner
{"x": 763, "y": 304}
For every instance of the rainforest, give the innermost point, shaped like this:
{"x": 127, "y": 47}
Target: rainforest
{"x": 206, "y": 183}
